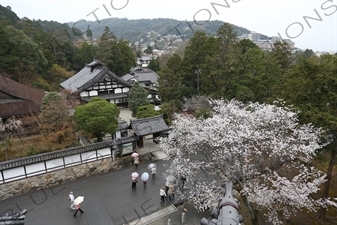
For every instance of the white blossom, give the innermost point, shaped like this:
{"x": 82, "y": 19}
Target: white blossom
{"x": 262, "y": 148}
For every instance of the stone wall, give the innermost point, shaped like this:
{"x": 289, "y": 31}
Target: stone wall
{"x": 55, "y": 178}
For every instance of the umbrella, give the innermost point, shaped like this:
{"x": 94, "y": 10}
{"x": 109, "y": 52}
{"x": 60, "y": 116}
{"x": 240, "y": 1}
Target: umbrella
{"x": 145, "y": 176}
{"x": 150, "y": 166}
{"x": 135, "y": 154}
{"x": 134, "y": 175}
{"x": 170, "y": 178}
{"x": 78, "y": 200}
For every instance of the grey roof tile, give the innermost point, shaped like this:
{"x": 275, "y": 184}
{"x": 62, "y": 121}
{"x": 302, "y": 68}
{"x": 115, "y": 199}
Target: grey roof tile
{"x": 122, "y": 125}
{"x": 149, "y": 125}
{"x": 90, "y": 72}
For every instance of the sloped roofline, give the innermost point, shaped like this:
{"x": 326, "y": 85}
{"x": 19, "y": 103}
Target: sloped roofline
{"x": 100, "y": 75}
{"x": 21, "y": 91}
{"x": 146, "y": 126}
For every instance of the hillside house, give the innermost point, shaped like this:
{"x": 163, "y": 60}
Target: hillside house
{"x": 144, "y": 61}
{"x": 95, "y": 80}
{"x": 18, "y": 100}
{"x": 148, "y": 79}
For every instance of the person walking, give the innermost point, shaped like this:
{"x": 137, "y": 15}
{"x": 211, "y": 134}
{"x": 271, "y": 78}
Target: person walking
{"x": 170, "y": 191}
{"x": 162, "y": 194}
{"x": 134, "y": 183}
{"x": 78, "y": 208}
{"x": 136, "y": 161}
{"x": 71, "y": 198}
{"x": 144, "y": 177}
{"x": 182, "y": 182}
{"x": 167, "y": 188}
{"x": 153, "y": 172}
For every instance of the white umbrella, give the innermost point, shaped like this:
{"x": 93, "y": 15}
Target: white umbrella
{"x": 145, "y": 176}
{"x": 135, "y": 154}
{"x": 78, "y": 200}
{"x": 150, "y": 166}
{"x": 134, "y": 175}
{"x": 170, "y": 178}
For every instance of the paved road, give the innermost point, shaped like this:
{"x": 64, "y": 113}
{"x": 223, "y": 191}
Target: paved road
{"x": 109, "y": 199}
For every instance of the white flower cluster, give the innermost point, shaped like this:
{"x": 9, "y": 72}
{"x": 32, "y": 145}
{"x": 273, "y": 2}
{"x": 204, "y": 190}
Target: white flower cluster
{"x": 261, "y": 148}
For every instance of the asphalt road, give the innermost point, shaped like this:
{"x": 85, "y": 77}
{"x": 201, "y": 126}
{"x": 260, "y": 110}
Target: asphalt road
{"x": 108, "y": 199}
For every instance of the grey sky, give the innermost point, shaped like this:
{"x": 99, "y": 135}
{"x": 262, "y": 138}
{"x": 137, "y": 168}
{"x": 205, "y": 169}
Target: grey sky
{"x": 310, "y": 24}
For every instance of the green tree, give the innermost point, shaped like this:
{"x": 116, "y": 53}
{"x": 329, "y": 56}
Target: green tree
{"x": 171, "y": 87}
{"x": 252, "y": 82}
{"x": 195, "y": 55}
{"x": 168, "y": 109}
{"x": 139, "y": 51}
{"x": 221, "y": 65}
{"x": 311, "y": 87}
{"x": 282, "y": 54}
{"x": 97, "y": 117}
{"x": 57, "y": 74}
{"x": 19, "y": 55}
{"x": 85, "y": 53}
{"x": 54, "y": 42}
{"x": 154, "y": 65}
{"x": 137, "y": 98}
{"x": 308, "y": 53}
{"x": 116, "y": 54}
{"x": 124, "y": 58}
{"x": 145, "y": 111}
{"x": 149, "y": 50}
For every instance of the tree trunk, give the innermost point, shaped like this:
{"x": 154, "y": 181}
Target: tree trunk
{"x": 322, "y": 211}
{"x": 253, "y": 212}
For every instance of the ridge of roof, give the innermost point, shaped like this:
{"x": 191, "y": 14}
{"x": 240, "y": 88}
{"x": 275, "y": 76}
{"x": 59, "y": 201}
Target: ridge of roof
{"x": 146, "y": 119}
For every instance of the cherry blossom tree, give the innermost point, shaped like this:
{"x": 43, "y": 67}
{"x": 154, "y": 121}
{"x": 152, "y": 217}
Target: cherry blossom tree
{"x": 261, "y": 148}
{"x": 7, "y": 129}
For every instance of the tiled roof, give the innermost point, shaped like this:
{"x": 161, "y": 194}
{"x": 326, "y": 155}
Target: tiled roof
{"x": 142, "y": 75}
{"x": 90, "y": 74}
{"x": 17, "y": 99}
{"x": 122, "y": 125}
{"x": 150, "y": 125}
{"x": 127, "y": 77}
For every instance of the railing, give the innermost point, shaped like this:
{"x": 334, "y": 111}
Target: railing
{"x": 43, "y": 163}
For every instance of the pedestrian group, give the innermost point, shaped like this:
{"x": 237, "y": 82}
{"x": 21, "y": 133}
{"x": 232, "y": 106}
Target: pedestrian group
{"x": 73, "y": 206}
{"x": 164, "y": 192}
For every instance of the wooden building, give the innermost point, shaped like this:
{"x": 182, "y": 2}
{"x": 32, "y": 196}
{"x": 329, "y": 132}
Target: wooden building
{"x": 18, "y": 100}
{"x": 22, "y": 102}
{"x": 95, "y": 80}
{"x": 154, "y": 126}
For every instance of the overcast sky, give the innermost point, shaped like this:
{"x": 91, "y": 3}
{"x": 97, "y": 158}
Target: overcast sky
{"x": 310, "y": 24}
